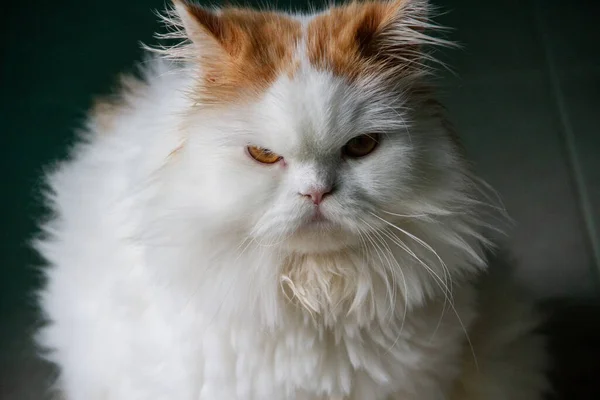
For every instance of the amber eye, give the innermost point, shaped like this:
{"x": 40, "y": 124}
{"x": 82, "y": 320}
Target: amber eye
{"x": 262, "y": 155}
{"x": 361, "y": 145}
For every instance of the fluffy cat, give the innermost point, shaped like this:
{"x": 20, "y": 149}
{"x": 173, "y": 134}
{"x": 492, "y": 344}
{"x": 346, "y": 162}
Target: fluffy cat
{"x": 279, "y": 210}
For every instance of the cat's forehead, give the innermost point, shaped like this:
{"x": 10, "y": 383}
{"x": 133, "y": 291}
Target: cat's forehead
{"x": 316, "y": 111}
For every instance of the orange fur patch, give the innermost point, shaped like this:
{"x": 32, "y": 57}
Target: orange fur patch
{"x": 249, "y": 50}
{"x": 347, "y": 40}
{"x": 242, "y": 51}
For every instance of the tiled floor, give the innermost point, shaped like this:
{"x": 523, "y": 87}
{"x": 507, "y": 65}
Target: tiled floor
{"x": 525, "y": 99}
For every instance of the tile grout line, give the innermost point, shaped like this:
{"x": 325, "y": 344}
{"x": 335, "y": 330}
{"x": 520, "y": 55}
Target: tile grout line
{"x": 571, "y": 149}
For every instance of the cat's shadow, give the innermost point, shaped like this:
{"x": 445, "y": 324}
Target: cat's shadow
{"x": 573, "y": 331}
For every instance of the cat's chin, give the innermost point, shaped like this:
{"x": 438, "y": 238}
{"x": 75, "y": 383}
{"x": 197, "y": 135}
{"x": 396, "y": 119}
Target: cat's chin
{"x": 319, "y": 238}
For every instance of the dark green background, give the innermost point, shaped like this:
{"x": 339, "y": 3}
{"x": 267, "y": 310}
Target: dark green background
{"x": 526, "y": 100}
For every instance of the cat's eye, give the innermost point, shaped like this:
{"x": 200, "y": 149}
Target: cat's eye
{"x": 361, "y": 145}
{"x": 263, "y": 155}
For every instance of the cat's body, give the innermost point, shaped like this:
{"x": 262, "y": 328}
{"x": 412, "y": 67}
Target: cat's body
{"x": 183, "y": 269}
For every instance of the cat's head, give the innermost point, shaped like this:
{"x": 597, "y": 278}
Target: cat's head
{"x": 310, "y": 131}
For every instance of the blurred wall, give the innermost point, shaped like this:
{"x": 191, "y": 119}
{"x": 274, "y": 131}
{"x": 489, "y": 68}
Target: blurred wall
{"x": 525, "y": 100}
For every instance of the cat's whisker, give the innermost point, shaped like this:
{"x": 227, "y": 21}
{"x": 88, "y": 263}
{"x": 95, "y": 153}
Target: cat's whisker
{"x": 396, "y": 240}
{"x": 411, "y": 236}
{"x": 365, "y": 250}
{"x": 392, "y": 269}
{"x": 447, "y": 300}
{"x": 272, "y": 243}
{"x": 446, "y": 288}
{"x": 451, "y": 304}
{"x": 416, "y": 216}
{"x": 405, "y": 305}
{"x": 446, "y": 284}
{"x": 439, "y": 323}
{"x": 382, "y": 274}
{"x": 419, "y": 241}
{"x": 381, "y": 255}
{"x": 391, "y": 287}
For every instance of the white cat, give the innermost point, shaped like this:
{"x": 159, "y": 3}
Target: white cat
{"x": 278, "y": 210}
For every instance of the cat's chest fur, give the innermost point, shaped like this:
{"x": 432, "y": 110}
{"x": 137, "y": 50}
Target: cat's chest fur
{"x": 228, "y": 350}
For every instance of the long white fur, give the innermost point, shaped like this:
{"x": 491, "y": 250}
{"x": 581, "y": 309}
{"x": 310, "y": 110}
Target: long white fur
{"x": 179, "y": 268}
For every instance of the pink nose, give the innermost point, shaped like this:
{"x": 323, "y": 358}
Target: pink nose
{"x": 317, "y": 195}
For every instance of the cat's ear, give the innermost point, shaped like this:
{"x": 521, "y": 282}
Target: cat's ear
{"x": 203, "y": 27}
{"x": 380, "y": 22}
{"x": 383, "y": 38}
{"x": 394, "y": 34}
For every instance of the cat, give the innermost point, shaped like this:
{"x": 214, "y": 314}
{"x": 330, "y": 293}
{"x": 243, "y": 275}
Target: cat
{"x": 278, "y": 209}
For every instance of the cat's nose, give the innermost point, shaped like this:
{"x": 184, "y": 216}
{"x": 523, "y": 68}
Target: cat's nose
{"x": 317, "y": 195}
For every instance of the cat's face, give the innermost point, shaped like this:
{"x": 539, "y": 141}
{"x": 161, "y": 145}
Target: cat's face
{"x": 319, "y": 155}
